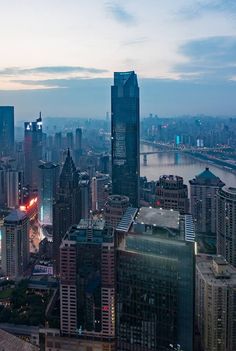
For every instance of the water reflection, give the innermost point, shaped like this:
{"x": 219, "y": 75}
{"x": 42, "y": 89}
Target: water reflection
{"x": 179, "y": 164}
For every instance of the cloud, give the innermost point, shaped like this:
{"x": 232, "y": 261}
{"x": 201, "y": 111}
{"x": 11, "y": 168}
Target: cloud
{"x": 119, "y": 13}
{"x": 14, "y": 71}
{"x": 200, "y": 7}
{"x": 211, "y": 59}
{"x": 187, "y": 98}
{"x": 50, "y": 83}
{"x": 135, "y": 41}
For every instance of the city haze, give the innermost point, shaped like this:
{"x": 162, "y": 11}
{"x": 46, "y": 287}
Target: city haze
{"x": 184, "y": 54}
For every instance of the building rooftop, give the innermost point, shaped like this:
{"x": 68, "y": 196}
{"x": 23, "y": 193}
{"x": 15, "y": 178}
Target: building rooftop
{"x": 15, "y": 216}
{"x": 9, "y": 342}
{"x": 208, "y": 178}
{"x": 48, "y": 165}
{"x": 89, "y": 230}
{"x": 121, "y": 78}
{"x": 96, "y": 224}
{"x": 216, "y": 270}
{"x": 127, "y": 220}
{"x": 171, "y": 177}
{"x": 158, "y": 217}
{"x": 229, "y": 190}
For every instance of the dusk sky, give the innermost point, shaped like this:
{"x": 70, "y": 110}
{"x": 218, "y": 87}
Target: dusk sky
{"x": 59, "y": 56}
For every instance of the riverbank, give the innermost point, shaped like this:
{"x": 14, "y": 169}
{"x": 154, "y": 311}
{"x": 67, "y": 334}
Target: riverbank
{"x": 228, "y": 167}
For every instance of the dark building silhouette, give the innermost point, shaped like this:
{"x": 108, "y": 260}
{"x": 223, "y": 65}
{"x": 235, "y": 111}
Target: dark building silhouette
{"x": 33, "y": 149}
{"x": 125, "y": 136}
{"x": 78, "y": 145}
{"x": 67, "y": 208}
{"x": 78, "y": 139}
{"x": 6, "y": 130}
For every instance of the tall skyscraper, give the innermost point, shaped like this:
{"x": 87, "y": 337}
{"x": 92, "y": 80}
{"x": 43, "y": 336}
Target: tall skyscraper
{"x": 48, "y": 182}
{"x": 100, "y": 191}
{"x": 15, "y": 244}
{"x": 78, "y": 139}
{"x": 216, "y": 303}
{"x": 125, "y": 136}
{"x": 172, "y": 193}
{"x": 226, "y": 224}
{"x": 203, "y": 190}
{"x": 78, "y": 145}
{"x": 155, "y": 280}
{"x": 70, "y": 141}
{"x": 85, "y": 194}
{"x": 6, "y": 130}
{"x": 14, "y": 183}
{"x": 33, "y": 150}
{"x": 67, "y": 208}
{"x": 87, "y": 282}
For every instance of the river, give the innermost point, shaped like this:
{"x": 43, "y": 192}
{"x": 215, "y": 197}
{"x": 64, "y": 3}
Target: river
{"x": 180, "y": 164}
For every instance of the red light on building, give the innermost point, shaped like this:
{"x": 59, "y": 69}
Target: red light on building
{"x": 105, "y": 308}
{"x": 158, "y": 203}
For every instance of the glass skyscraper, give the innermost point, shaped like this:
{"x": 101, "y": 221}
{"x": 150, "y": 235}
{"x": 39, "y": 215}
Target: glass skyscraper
{"x": 125, "y": 136}
{"x": 48, "y": 179}
{"x": 6, "y": 130}
{"x": 155, "y": 280}
{"x": 33, "y": 152}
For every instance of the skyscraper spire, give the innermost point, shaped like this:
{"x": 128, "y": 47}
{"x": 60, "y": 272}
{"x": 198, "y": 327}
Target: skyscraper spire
{"x": 68, "y": 172}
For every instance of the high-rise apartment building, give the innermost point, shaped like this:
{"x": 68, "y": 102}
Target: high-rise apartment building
{"x": 6, "y": 130}
{"x": 172, "y": 193}
{"x": 87, "y": 281}
{"x": 125, "y": 136}
{"x": 114, "y": 209}
{"x": 48, "y": 183}
{"x": 67, "y": 208}
{"x": 226, "y": 224}
{"x": 15, "y": 244}
{"x": 100, "y": 191}
{"x": 14, "y": 183}
{"x": 155, "y": 280}
{"x": 85, "y": 194}
{"x": 216, "y": 303}
{"x": 33, "y": 150}
{"x": 203, "y": 190}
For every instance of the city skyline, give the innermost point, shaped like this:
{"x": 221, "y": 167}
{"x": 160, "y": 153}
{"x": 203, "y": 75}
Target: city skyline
{"x": 182, "y": 52}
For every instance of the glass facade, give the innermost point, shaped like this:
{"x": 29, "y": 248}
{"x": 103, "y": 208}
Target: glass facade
{"x": 6, "y": 130}
{"x": 125, "y": 136}
{"x": 48, "y": 179}
{"x": 155, "y": 293}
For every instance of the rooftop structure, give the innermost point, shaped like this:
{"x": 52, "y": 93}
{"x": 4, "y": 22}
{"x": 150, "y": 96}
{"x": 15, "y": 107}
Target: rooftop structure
{"x": 206, "y": 178}
{"x": 9, "y": 342}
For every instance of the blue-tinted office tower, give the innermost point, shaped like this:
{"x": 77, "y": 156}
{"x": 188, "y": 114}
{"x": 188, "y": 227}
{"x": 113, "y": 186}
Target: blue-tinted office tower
{"x": 125, "y": 136}
{"x": 48, "y": 180}
{"x": 6, "y": 130}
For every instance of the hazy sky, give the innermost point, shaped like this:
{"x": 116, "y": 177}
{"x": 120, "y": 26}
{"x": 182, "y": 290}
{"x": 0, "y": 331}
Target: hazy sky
{"x": 58, "y": 56}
